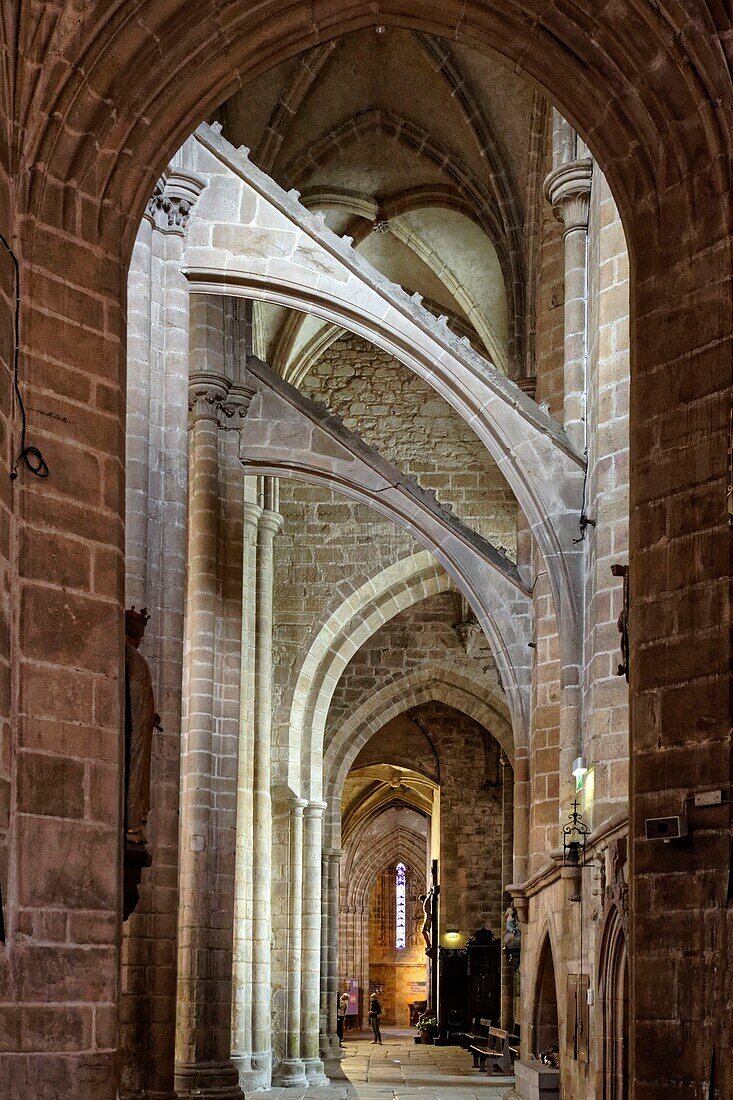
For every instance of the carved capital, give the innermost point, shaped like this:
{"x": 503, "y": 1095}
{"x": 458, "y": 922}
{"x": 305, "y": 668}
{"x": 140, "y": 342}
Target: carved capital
{"x": 235, "y": 408}
{"x": 172, "y": 200}
{"x": 207, "y": 394}
{"x": 567, "y": 188}
{"x": 213, "y": 397}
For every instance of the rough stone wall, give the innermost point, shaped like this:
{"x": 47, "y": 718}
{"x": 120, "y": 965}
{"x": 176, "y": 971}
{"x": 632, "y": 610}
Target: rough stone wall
{"x": 329, "y": 544}
{"x": 402, "y": 416}
{"x": 421, "y": 637}
{"x": 7, "y": 309}
{"x": 545, "y": 724}
{"x": 471, "y": 830}
{"x": 550, "y": 301}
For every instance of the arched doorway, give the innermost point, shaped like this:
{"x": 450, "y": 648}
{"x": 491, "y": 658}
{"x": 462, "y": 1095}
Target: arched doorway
{"x": 613, "y": 987}
{"x": 544, "y": 1033}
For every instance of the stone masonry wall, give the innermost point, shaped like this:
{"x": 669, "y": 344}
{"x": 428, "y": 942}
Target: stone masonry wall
{"x": 402, "y": 416}
{"x": 423, "y": 637}
{"x": 330, "y": 544}
{"x": 545, "y": 723}
{"x": 470, "y": 819}
{"x": 606, "y": 693}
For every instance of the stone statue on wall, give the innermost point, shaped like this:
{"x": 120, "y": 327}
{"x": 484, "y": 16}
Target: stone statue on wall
{"x": 512, "y": 930}
{"x": 140, "y": 721}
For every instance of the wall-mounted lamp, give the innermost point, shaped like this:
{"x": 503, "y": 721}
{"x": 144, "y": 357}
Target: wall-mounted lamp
{"x": 580, "y": 768}
{"x": 452, "y": 932}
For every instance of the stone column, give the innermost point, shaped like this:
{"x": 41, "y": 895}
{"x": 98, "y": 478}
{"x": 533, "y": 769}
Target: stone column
{"x": 203, "y": 1061}
{"x": 568, "y": 190}
{"x": 269, "y": 524}
{"x": 155, "y": 567}
{"x": 291, "y": 1073}
{"x": 333, "y": 1049}
{"x": 323, "y": 1022}
{"x": 243, "y": 874}
{"x": 311, "y": 960}
{"x": 507, "y": 834}
{"x": 363, "y": 926}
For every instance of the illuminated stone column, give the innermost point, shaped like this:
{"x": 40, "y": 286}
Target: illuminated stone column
{"x": 290, "y": 1073}
{"x": 568, "y": 188}
{"x": 203, "y": 1033}
{"x": 243, "y": 875}
{"x": 311, "y": 946}
{"x": 333, "y": 1049}
{"x": 269, "y": 524}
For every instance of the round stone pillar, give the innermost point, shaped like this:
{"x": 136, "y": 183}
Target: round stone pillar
{"x": 333, "y": 1048}
{"x": 269, "y": 524}
{"x": 203, "y": 1034}
{"x": 244, "y": 855}
{"x": 291, "y": 1073}
{"x": 568, "y": 190}
{"x": 311, "y": 946}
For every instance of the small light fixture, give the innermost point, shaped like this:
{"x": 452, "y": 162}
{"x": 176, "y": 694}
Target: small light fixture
{"x": 380, "y": 28}
{"x": 580, "y": 768}
{"x": 452, "y": 932}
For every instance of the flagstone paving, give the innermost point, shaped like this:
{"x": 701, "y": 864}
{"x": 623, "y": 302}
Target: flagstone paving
{"x": 400, "y": 1069}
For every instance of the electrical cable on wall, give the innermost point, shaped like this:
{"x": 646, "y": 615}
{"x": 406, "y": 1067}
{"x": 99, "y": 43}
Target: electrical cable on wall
{"x": 31, "y": 457}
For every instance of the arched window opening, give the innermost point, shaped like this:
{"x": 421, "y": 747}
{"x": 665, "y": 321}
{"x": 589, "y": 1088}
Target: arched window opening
{"x": 400, "y": 912}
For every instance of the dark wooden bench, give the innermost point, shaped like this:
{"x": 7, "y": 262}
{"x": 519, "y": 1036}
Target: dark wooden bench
{"x": 491, "y": 1050}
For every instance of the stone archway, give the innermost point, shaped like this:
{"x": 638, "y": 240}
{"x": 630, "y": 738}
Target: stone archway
{"x": 647, "y": 85}
{"x": 613, "y": 989}
{"x": 544, "y": 1023}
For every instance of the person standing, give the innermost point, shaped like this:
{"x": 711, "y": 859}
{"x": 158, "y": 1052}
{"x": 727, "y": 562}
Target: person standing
{"x": 375, "y": 1011}
{"x": 341, "y": 1013}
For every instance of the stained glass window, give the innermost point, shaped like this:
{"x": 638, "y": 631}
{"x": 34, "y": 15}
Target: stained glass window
{"x": 400, "y": 903}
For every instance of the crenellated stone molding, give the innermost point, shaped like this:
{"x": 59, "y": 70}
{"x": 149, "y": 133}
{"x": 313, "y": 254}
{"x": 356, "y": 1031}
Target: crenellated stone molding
{"x": 567, "y": 189}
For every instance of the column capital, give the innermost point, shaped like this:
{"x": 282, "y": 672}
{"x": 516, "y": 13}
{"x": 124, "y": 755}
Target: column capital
{"x": 213, "y": 397}
{"x": 315, "y": 808}
{"x": 252, "y": 513}
{"x": 207, "y": 393}
{"x": 236, "y": 406}
{"x": 171, "y": 202}
{"x": 567, "y": 189}
{"x": 270, "y": 522}
{"x": 334, "y": 855}
{"x": 296, "y": 806}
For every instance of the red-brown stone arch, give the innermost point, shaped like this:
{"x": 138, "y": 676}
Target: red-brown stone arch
{"x": 101, "y": 95}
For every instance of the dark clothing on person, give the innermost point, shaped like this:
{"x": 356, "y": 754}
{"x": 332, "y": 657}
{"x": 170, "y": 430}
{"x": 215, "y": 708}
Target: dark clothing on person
{"x": 375, "y": 1011}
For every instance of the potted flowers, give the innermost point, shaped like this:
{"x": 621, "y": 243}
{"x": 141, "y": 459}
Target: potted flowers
{"x": 428, "y": 1028}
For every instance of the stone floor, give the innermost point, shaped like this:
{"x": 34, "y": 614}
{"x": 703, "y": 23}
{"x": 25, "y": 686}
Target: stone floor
{"x": 403, "y": 1070}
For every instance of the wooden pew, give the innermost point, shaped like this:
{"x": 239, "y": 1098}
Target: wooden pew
{"x": 492, "y": 1051}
